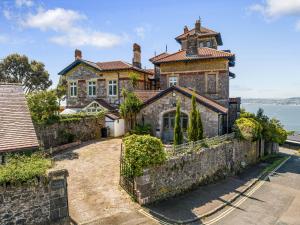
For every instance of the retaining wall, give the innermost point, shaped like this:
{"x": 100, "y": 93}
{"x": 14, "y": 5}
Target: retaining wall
{"x": 182, "y": 173}
{"x": 42, "y": 202}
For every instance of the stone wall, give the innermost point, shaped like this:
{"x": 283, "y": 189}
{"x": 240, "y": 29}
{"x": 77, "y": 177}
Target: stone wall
{"x": 60, "y": 133}
{"x": 45, "y": 202}
{"x": 182, "y": 173}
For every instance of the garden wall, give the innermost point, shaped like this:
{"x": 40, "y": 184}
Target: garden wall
{"x": 184, "y": 172}
{"x": 45, "y": 202}
{"x": 60, "y": 133}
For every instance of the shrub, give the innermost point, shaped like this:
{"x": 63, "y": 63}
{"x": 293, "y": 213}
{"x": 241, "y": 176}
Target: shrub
{"x": 21, "y": 168}
{"x": 247, "y": 129}
{"x": 142, "y": 151}
{"x": 192, "y": 128}
{"x": 141, "y": 129}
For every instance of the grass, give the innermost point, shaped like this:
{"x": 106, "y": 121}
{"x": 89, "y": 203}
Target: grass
{"x": 274, "y": 160}
{"x": 20, "y": 168}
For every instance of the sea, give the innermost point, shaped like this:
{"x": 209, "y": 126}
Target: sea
{"x": 289, "y": 115}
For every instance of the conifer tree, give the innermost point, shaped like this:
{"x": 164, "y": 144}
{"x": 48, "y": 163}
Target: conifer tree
{"x": 178, "y": 135}
{"x": 199, "y": 126}
{"x": 192, "y": 128}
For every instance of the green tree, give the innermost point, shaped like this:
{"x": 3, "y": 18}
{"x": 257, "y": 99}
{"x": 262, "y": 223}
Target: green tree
{"x": 199, "y": 126}
{"x": 178, "y": 135}
{"x": 192, "y": 128}
{"x": 43, "y": 107}
{"x": 134, "y": 79}
{"x": 130, "y": 107}
{"x": 32, "y": 75}
{"x": 61, "y": 89}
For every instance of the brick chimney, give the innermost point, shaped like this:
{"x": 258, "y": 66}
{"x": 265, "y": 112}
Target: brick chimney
{"x": 136, "y": 60}
{"x": 198, "y": 26}
{"x": 78, "y": 54}
{"x": 185, "y": 29}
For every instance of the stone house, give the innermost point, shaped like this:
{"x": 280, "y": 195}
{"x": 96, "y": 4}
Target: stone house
{"x": 199, "y": 69}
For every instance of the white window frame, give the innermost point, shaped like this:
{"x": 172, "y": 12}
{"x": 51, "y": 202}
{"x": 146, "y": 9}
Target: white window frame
{"x": 112, "y": 83}
{"x": 93, "y": 85}
{"x": 173, "y": 81}
{"x": 72, "y": 86}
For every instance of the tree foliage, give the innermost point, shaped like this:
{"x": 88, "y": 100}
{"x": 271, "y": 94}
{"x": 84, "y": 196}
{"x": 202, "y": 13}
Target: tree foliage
{"x": 32, "y": 75}
{"x": 130, "y": 107}
{"x": 43, "y": 107}
{"x": 178, "y": 134}
{"x": 61, "y": 89}
{"x": 142, "y": 151}
{"x": 192, "y": 127}
{"x": 247, "y": 129}
{"x": 134, "y": 79}
{"x": 199, "y": 126}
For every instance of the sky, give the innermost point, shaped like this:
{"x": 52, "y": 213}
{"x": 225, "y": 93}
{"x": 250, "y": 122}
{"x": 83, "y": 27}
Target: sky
{"x": 264, "y": 35}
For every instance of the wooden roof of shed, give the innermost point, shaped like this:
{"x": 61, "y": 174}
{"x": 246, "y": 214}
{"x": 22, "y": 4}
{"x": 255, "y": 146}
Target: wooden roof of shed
{"x": 17, "y": 132}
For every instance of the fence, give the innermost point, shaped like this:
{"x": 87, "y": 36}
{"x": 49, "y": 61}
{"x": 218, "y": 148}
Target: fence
{"x": 126, "y": 175}
{"x": 173, "y": 150}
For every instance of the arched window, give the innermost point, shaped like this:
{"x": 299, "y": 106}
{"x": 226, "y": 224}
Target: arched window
{"x": 93, "y": 108}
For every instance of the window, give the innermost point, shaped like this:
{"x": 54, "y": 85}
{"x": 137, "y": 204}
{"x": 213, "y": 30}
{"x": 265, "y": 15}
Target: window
{"x": 92, "y": 88}
{"x": 172, "y": 81}
{"x": 112, "y": 88}
{"x": 208, "y": 44}
{"x": 201, "y": 44}
{"x": 93, "y": 108}
{"x": 73, "y": 89}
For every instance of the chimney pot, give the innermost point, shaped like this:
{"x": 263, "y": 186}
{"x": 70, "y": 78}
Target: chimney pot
{"x": 136, "y": 60}
{"x": 185, "y": 29}
{"x": 198, "y": 26}
{"x": 78, "y": 54}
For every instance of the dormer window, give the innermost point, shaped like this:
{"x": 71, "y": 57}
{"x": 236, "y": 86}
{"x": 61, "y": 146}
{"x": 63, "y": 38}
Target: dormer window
{"x": 173, "y": 81}
{"x": 92, "y": 88}
{"x": 208, "y": 44}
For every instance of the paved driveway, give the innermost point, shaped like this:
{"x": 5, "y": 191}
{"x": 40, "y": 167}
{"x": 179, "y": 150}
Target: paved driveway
{"x": 94, "y": 194}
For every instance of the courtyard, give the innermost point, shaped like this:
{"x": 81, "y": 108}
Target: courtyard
{"x": 95, "y": 196}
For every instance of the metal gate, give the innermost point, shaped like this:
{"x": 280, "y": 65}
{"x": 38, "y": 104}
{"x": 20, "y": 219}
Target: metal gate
{"x": 126, "y": 175}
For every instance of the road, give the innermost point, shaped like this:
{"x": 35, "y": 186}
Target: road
{"x": 277, "y": 201}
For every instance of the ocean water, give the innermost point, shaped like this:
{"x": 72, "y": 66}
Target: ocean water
{"x": 289, "y": 115}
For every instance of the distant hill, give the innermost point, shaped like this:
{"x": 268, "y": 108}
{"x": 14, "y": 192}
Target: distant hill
{"x": 273, "y": 101}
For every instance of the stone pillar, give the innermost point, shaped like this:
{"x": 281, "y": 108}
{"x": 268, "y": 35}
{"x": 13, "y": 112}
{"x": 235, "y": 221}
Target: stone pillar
{"x": 143, "y": 188}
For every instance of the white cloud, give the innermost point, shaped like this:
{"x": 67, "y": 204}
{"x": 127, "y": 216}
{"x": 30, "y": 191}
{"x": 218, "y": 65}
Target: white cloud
{"x": 57, "y": 19}
{"x": 66, "y": 23}
{"x": 140, "y": 32}
{"x": 80, "y": 37}
{"x": 27, "y": 3}
{"x": 7, "y": 14}
{"x": 277, "y": 8}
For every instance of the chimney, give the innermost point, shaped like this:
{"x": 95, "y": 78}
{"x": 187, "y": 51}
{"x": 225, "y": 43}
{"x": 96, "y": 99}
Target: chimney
{"x": 78, "y": 54}
{"x": 185, "y": 29}
{"x": 136, "y": 61}
{"x": 197, "y": 26}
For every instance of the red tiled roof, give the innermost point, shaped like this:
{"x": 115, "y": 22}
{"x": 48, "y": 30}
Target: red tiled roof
{"x": 203, "y": 53}
{"x": 203, "y": 32}
{"x": 113, "y": 65}
{"x": 158, "y": 57}
{"x": 145, "y": 95}
{"x": 16, "y": 128}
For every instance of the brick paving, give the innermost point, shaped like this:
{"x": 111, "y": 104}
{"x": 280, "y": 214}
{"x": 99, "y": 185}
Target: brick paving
{"x": 93, "y": 185}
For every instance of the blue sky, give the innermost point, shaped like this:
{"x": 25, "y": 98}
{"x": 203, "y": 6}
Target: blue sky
{"x": 264, "y": 35}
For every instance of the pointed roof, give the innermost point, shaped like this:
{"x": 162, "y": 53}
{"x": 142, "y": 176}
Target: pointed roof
{"x": 203, "y": 53}
{"x": 104, "y": 66}
{"x": 17, "y": 132}
{"x": 204, "y": 32}
{"x": 209, "y": 103}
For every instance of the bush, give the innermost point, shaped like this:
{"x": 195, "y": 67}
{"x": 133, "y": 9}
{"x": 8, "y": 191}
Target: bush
{"x": 141, "y": 129}
{"x": 142, "y": 151}
{"x": 247, "y": 129}
{"x": 79, "y": 116}
{"x": 21, "y": 168}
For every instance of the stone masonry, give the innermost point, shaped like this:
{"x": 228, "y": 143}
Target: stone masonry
{"x": 184, "y": 172}
{"x": 43, "y": 202}
{"x": 153, "y": 114}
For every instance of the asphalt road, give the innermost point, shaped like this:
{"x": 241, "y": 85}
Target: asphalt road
{"x": 277, "y": 201}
